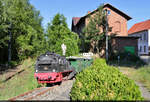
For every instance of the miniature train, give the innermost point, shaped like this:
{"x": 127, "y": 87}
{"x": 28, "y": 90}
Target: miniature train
{"x": 52, "y": 68}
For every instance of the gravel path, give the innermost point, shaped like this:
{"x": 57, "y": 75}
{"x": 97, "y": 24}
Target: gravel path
{"x": 144, "y": 91}
{"x": 58, "y": 93}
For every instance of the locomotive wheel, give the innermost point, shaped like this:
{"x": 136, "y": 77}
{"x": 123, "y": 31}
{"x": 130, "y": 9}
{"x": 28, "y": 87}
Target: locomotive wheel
{"x": 59, "y": 83}
{"x": 49, "y": 85}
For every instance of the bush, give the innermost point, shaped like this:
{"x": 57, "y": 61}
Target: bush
{"x": 102, "y": 82}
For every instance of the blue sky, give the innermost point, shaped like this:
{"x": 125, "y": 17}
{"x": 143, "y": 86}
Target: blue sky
{"x": 139, "y": 10}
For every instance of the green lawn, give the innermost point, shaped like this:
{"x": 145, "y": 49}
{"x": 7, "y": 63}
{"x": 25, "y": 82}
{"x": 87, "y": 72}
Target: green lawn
{"x": 20, "y": 83}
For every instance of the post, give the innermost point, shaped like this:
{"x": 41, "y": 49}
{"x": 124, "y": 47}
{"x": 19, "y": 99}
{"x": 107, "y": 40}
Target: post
{"x": 106, "y": 37}
{"x": 9, "y": 45}
{"x": 118, "y": 60}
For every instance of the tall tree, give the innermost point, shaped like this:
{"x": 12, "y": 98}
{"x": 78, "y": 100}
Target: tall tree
{"x": 59, "y": 33}
{"x": 26, "y": 28}
{"x": 94, "y": 32}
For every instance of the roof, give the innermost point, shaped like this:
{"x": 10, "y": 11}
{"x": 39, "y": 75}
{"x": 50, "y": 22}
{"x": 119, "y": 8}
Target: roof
{"x": 145, "y": 25}
{"x": 135, "y": 37}
{"x": 113, "y": 8}
{"x": 76, "y": 20}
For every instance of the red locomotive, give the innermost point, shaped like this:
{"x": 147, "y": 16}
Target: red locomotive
{"x": 52, "y": 68}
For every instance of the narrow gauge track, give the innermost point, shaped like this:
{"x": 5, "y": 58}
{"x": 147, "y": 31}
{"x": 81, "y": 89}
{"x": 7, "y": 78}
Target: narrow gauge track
{"x": 55, "y": 92}
{"x": 31, "y": 94}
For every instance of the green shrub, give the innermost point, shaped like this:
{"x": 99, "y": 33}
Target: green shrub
{"x": 102, "y": 82}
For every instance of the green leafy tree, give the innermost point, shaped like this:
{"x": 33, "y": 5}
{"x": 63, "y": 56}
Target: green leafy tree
{"x": 24, "y": 22}
{"x": 59, "y": 33}
{"x": 94, "y": 32}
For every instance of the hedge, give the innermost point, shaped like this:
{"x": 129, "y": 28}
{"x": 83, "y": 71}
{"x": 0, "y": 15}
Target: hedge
{"x": 103, "y": 82}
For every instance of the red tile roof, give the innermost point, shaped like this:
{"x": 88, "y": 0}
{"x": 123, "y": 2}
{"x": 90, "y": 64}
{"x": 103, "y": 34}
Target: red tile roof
{"x": 75, "y": 20}
{"x": 145, "y": 25}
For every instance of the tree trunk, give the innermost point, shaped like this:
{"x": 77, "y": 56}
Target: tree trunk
{"x": 92, "y": 46}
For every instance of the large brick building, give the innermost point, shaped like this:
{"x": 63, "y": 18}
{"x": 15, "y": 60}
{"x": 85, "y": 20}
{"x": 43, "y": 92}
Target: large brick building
{"x": 117, "y": 21}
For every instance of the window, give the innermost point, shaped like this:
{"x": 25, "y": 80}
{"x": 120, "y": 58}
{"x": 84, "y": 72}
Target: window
{"x": 108, "y": 12}
{"x": 144, "y": 48}
{"x": 144, "y": 36}
{"x": 104, "y": 11}
{"x": 140, "y": 48}
{"x": 140, "y": 37}
{"x": 117, "y": 27}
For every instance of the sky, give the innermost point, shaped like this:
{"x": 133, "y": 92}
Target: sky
{"x": 138, "y": 10}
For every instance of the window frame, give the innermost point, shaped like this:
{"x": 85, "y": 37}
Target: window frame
{"x": 144, "y": 48}
{"x": 108, "y": 12}
{"x": 140, "y": 48}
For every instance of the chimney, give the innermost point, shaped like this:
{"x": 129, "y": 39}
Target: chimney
{"x": 89, "y": 12}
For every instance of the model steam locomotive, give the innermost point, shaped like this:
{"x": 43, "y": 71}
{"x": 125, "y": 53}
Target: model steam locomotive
{"x": 52, "y": 68}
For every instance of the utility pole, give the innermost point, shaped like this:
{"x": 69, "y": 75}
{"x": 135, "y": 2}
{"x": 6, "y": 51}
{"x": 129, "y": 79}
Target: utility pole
{"x": 106, "y": 36}
{"x": 9, "y": 45}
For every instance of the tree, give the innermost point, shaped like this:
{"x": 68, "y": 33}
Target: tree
{"x": 59, "y": 33}
{"x": 94, "y": 32}
{"x": 26, "y": 29}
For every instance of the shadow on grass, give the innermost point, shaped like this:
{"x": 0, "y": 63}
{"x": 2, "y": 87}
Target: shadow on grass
{"x": 125, "y": 59}
{"x": 127, "y": 63}
{"x": 5, "y": 68}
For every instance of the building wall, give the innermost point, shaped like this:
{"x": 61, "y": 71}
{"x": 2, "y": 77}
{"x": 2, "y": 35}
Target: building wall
{"x": 142, "y": 41}
{"x": 149, "y": 37}
{"x": 116, "y": 21}
{"x": 118, "y": 44}
{"x": 79, "y": 27}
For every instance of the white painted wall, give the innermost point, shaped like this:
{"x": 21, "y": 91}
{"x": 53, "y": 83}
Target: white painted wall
{"x": 149, "y": 40}
{"x": 144, "y": 40}
{"x": 149, "y": 37}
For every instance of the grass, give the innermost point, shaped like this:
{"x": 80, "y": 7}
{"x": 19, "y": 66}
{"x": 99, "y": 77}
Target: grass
{"x": 141, "y": 74}
{"x": 20, "y": 83}
{"x": 23, "y": 65}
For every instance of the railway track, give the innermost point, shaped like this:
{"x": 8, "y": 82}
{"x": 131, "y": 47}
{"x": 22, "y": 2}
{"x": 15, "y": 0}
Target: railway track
{"x": 56, "y": 92}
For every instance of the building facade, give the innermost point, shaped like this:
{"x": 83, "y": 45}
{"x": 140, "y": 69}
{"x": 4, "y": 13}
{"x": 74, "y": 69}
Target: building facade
{"x": 142, "y": 30}
{"x": 117, "y": 20}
